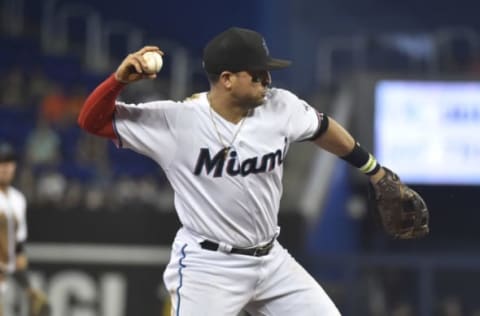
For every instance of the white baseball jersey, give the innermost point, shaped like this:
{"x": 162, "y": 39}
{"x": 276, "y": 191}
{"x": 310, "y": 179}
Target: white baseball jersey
{"x": 233, "y": 200}
{"x": 13, "y": 226}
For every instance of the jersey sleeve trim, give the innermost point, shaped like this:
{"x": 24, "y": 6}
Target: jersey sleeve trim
{"x": 321, "y": 129}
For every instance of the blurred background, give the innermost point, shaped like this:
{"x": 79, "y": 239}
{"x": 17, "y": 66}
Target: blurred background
{"x": 402, "y": 76}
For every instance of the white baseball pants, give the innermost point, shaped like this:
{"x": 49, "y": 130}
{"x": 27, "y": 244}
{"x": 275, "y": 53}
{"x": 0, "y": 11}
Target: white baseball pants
{"x": 212, "y": 283}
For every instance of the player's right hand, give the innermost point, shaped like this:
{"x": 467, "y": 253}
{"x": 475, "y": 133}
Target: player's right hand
{"x": 133, "y": 66}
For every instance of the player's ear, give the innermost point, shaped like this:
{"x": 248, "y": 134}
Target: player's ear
{"x": 226, "y": 79}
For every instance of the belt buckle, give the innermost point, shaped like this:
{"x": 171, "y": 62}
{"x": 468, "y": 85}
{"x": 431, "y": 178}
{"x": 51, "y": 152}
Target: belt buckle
{"x": 263, "y": 250}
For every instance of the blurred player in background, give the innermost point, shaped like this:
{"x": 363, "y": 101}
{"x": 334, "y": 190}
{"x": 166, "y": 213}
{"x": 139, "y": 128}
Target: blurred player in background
{"x": 13, "y": 235}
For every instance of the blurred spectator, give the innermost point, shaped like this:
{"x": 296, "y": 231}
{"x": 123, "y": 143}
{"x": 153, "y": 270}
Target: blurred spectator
{"x": 74, "y": 195}
{"x": 147, "y": 189}
{"x": 451, "y": 306}
{"x": 141, "y": 192}
{"x": 124, "y": 191}
{"x": 13, "y": 88}
{"x": 165, "y": 198}
{"x": 53, "y": 105}
{"x": 76, "y": 98}
{"x": 42, "y": 146}
{"x": 92, "y": 152}
{"x": 402, "y": 309}
{"x": 51, "y": 188}
{"x": 95, "y": 199}
{"x": 38, "y": 86}
{"x": 26, "y": 182}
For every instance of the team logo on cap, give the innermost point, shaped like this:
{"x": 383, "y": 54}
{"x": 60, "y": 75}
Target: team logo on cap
{"x": 265, "y": 47}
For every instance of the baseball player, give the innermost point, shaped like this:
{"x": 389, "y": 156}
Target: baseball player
{"x": 13, "y": 234}
{"x": 223, "y": 153}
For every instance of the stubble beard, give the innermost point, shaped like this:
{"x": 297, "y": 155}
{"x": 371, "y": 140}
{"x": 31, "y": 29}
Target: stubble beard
{"x": 259, "y": 101}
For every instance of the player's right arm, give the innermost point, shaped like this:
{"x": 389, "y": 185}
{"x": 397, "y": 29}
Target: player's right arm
{"x": 96, "y": 115}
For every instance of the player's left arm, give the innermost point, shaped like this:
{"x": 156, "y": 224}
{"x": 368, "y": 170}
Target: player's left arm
{"x": 402, "y": 211}
{"x": 21, "y": 261}
{"x": 21, "y": 267}
{"x": 306, "y": 123}
{"x": 38, "y": 302}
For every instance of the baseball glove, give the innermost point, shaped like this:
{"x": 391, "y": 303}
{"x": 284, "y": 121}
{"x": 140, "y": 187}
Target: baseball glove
{"x": 38, "y": 303}
{"x": 402, "y": 211}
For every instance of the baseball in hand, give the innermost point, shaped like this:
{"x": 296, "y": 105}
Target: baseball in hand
{"x": 154, "y": 62}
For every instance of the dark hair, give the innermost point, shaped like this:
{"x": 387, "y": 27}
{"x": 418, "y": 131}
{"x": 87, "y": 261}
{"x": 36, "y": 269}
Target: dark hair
{"x": 212, "y": 78}
{"x": 7, "y": 153}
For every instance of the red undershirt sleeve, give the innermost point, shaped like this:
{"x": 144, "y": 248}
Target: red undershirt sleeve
{"x": 96, "y": 115}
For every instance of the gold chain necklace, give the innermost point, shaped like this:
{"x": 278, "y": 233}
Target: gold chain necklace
{"x": 226, "y": 148}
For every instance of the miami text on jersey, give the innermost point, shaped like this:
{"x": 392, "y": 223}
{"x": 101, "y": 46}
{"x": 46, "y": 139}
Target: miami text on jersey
{"x": 218, "y": 164}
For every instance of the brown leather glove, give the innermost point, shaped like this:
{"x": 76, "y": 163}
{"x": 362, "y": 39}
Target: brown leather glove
{"x": 402, "y": 211}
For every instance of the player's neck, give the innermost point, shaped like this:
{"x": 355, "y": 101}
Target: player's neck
{"x": 4, "y": 188}
{"x": 227, "y": 109}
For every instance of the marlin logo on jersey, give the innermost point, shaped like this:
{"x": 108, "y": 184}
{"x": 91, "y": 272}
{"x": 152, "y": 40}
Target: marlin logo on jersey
{"x": 218, "y": 164}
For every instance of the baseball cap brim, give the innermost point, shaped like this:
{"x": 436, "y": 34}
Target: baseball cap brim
{"x": 275, "y": 63}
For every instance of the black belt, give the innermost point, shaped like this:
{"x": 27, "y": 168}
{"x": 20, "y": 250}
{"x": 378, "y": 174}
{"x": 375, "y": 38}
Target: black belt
{"x": 255, "y": 251}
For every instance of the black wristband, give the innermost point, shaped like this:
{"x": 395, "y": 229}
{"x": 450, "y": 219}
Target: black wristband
{"x": 363, "y": 160}
{"x": 19, "y": 248}
{"x": 21, "y": 277}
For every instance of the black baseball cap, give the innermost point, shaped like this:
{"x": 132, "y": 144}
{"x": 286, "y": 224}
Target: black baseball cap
{"x": 238, "y": 49}
{"x": 7, "y": 153}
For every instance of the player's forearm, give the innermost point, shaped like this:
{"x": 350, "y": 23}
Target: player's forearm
{"x": 20, "y": 274}
{"x": 341, "y": 143}
{"x": 21, "y": 261}
{"x": 96, "y": 115}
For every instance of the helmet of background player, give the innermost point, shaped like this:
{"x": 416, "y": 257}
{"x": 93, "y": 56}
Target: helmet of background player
{"x": 8, "y": 166}
{"x": 7, "y": 152}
